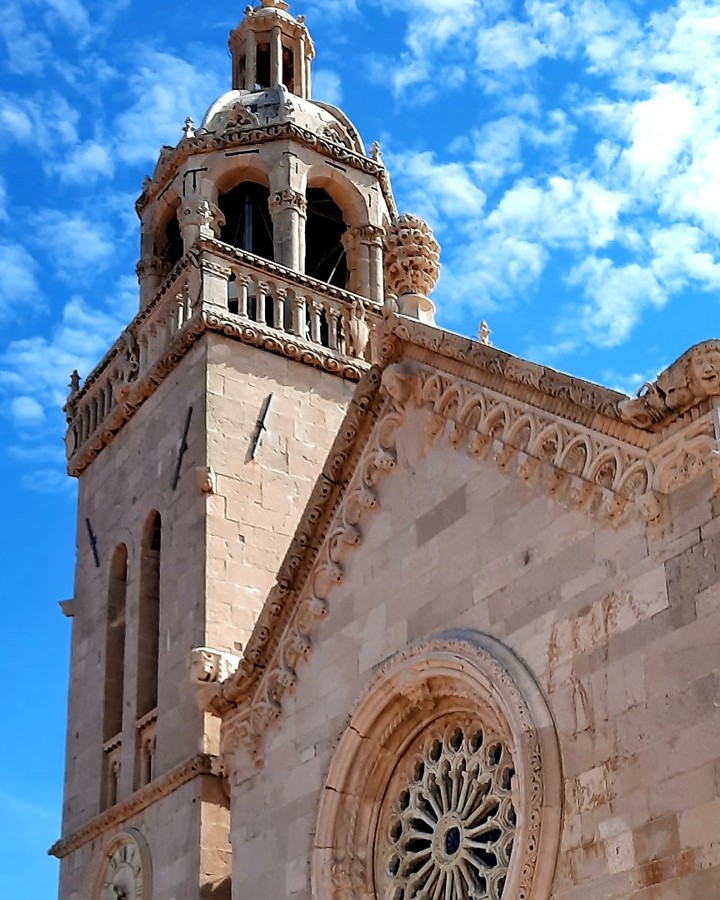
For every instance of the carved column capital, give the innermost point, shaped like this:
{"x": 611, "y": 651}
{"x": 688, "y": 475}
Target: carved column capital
{"x": 205, "y": 216}
{"x": 372, "y": 235}
{"x": 151, "y": 268}
{"x": 287, "y": 199}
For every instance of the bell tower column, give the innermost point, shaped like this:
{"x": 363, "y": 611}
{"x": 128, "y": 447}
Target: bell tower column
{"x": 288, "y": 209}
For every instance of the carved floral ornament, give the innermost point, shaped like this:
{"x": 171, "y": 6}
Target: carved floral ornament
{"x": 446, "y": 783}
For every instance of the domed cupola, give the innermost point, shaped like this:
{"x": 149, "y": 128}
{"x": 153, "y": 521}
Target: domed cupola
{"x": 271, "y": 48}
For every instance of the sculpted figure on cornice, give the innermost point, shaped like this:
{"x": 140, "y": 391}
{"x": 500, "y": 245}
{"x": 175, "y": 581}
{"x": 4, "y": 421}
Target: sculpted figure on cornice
{"x": 688, "y": 381}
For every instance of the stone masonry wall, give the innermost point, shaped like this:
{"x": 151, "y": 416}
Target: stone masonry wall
{"x": 258, "y": 503}
{"x": 621, "y": 629}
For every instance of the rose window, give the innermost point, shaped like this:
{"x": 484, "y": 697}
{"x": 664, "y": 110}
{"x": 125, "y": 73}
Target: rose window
{"x": 450, "y": 817}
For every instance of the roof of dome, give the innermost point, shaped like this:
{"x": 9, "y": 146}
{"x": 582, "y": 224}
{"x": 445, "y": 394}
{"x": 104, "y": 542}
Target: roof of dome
{"x": 261, "y": 108}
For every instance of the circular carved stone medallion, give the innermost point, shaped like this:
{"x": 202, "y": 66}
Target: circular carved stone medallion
{"x": 449, "y": 819}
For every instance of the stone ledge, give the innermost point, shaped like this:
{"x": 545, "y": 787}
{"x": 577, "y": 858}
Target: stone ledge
{"x": 201, "y": 764}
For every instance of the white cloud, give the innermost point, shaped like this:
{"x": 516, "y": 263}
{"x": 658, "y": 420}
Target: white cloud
{"x": 510, "y": 44}
{"x": 39, "y": 367}
{"x": 27, "y": 412}
{"x": 617, "y": 295}
{"x": 76, "y": 243}
{"x": 327, "y": 86}
{"x": 18, "y": 280}
{"x": 437, "y": 191}
{"x": 165, "y": 90}
{"x": 86, "y": 164}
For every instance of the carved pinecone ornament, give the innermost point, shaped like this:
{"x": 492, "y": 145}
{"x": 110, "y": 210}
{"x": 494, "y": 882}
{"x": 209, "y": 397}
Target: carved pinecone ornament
{"x": 412, "y": 257}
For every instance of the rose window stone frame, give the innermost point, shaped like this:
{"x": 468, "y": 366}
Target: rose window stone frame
{"x": 447, "y": 781}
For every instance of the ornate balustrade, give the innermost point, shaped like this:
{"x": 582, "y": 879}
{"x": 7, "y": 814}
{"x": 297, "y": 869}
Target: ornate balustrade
{"x": 216, "y": 287}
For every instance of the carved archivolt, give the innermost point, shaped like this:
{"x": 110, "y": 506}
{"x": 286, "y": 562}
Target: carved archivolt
{"x": 447, "y": 781}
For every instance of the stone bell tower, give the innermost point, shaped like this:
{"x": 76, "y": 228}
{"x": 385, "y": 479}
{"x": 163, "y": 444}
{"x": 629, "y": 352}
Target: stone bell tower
{"x": 196, "y": 442}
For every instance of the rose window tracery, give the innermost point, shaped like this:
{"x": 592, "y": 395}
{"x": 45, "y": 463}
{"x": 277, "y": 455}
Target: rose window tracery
{"x": 450, "y": 817}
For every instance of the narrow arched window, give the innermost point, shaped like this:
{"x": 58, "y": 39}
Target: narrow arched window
{"x": 149, "y": 617}
{"x": 114, "y": 674}
{"x": 324, "y": 254}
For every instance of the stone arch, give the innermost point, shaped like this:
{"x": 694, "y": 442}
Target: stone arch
{"x": 343, "y": 191}
{"x": 462, "y": 677}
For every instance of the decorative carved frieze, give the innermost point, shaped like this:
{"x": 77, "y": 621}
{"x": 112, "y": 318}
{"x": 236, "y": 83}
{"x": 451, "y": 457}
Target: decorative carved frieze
{"x": 201, "y": 764}
{"x": 172, "y": 158}
{"x": 689, "y": 381}
{"x": 412, "y": 257}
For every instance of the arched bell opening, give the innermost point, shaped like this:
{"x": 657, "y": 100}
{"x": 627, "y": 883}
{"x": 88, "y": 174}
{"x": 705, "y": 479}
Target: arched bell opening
{"x": 325, "y": 257}
{"x": 262, "y": 70}
{"x": 247, "y": 219}
{"x": 168, "y": 242}
{"x": 288, "y": 69}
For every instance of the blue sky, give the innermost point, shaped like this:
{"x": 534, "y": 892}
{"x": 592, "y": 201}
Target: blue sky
{"x": 566, "y": 152}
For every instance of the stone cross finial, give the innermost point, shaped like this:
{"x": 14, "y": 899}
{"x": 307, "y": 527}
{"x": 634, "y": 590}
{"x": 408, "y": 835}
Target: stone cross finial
{"x": 484, "y": 334}
{"x": 412, "y": 265}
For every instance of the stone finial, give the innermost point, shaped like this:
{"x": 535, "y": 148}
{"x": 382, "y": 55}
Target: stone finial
{"x": 412, "y": 266}
{"x": 189, "y": 128}
{"x": 74, "y": 384}
{"x": 275, "y": 4}
{"x": 376, "y": 151}
{"x": 484, "y": 334}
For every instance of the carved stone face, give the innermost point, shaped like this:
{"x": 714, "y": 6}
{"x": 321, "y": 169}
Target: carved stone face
{"x": 204, "y": 665}
{"x": 705, "y": 371}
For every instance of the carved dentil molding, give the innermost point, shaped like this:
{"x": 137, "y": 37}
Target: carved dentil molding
{"x": 412, "y": 257}
{"x": 689, "y": 381}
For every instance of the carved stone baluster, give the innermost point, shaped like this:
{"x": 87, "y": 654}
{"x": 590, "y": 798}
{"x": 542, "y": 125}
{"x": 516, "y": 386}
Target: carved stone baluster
{"x": 299, "y": 322}
{"x": 315, "y": 310}
{"x": 242, "y": 282}
{"x": 279, "y": 298}
{"x": 332, "y": 314}
{"x": 263, "y": 289}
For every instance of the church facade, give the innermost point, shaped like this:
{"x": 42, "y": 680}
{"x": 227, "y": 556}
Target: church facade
{"x": 364, "y": 608}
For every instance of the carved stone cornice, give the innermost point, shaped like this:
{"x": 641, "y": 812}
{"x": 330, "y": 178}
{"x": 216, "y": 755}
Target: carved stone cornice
{"x": 172, "y": 158}
{"x": 690, "y": 380}
{"x": 201, "y": 764}
{"x": 216, "y": 320}
{"x": 581, "y": 401}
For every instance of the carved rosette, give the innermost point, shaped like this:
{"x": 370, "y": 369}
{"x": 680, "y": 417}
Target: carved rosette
{"x": 412, "y": 257}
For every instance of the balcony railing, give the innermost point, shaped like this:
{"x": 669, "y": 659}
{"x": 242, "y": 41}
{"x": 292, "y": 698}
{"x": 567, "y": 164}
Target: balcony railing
{"x": 252, "y": 299}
